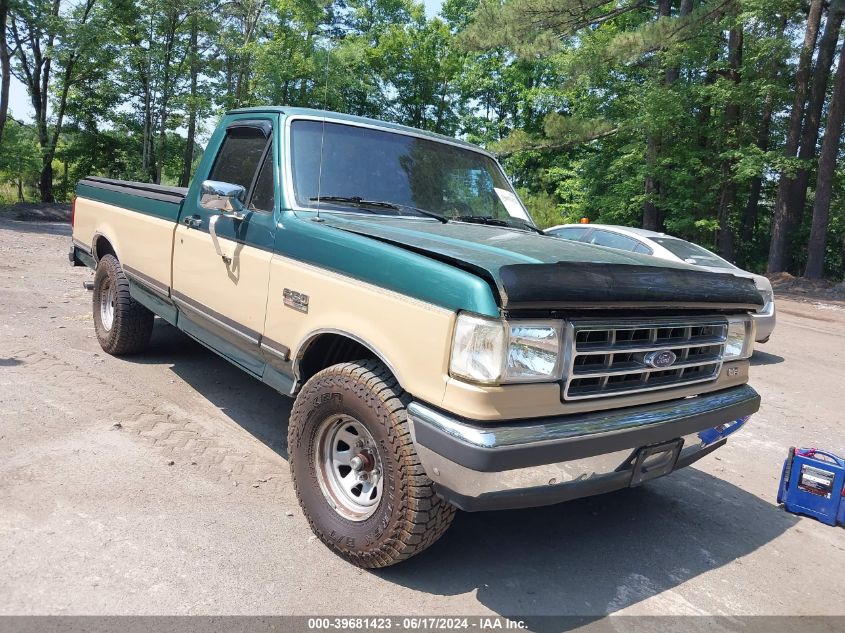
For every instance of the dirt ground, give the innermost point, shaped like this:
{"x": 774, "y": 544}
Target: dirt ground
{"x": 159, "y": 485}
{"x": 36, "y": 212}
{"x": 809, "y": 290}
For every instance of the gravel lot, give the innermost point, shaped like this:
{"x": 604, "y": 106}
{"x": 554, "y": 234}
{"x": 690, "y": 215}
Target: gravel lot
{"x": 160, "y": 485}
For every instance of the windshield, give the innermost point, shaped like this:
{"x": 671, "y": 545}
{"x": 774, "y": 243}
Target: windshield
{"x": 692, "y": 253}
{"x": 362, "y": 166}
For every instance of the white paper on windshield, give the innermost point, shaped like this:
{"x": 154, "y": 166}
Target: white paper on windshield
{"x": 511, "y": 203}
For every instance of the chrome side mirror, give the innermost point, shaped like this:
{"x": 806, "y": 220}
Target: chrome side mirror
{"x": 225, "y": 197}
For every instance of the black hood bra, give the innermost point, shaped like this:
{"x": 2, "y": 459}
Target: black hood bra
{"x": 588, "y": 284}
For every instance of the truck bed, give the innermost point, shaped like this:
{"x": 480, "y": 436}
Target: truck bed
{"x": 143, "y": 189}
{"x": 159, "y": 201}
{"x": 134, "y": 220}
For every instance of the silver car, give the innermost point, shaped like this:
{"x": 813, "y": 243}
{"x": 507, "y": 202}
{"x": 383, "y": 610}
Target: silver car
{"x": 675, "y": 249}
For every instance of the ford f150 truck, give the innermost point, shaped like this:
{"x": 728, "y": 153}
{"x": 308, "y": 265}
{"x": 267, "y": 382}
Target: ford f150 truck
{"x": 442, "y": 352}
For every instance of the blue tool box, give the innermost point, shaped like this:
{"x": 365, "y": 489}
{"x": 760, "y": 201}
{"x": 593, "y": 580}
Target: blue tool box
{"x": 813, "y": 483}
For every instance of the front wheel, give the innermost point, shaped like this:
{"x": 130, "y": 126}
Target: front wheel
{"x": 355, "y": 470}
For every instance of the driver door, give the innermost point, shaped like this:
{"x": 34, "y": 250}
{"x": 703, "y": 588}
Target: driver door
{"x": 221, "y": 265}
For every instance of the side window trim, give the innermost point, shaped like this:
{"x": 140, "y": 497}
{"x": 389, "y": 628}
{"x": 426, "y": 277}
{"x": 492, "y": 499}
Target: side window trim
{"x": 262, "y": 125}
{"x": 266, "y": 156}
{"x": 250, "y": 194}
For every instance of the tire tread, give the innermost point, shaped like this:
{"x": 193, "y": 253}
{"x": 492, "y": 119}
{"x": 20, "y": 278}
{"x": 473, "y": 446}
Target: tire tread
{"x": 133, "y": 323}
{"x": 426, "y": 515}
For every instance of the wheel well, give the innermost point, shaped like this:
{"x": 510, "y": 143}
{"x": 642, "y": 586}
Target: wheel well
{"x": 326, "y": 350}
{"x": 102, "y": 247}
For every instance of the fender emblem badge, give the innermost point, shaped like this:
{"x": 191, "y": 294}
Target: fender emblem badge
{"x": 295, "y": 300}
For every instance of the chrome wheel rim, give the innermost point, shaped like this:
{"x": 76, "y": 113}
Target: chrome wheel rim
{"x": 349, "y": 468}
{"x": 107, "y": 305}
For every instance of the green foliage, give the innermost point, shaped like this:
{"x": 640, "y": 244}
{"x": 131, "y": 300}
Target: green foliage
{"x": 597, "y": 110}
{"x": 20, "y": 162}
{"x": 626, "y": 79}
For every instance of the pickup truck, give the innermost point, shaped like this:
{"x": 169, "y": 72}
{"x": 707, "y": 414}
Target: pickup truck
{"x": 442, "y": 352}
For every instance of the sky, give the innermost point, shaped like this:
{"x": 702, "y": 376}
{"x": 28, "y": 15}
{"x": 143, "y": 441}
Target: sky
{"x": 432, "y": 7}
{"x": 21, "y": 109}
{"x": 19, "y": 106}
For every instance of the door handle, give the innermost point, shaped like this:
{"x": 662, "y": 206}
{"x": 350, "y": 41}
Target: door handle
{"x": 193, "y": 222}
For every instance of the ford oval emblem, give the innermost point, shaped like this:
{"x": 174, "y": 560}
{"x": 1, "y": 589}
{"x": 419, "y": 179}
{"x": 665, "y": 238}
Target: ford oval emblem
{"x": 660, "y": 359}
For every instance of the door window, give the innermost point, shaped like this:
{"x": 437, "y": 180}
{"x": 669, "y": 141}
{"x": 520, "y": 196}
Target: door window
{"x": 244, "y": 149}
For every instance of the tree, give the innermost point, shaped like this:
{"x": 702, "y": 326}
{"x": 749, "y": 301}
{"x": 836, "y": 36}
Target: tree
{"x": 824, "y": 179}
{"x": 20, "y": 160}
{"x": 173, "y": 52}
{"x": 155, "y": 69}
{"x": 5, "y": 67}
{"x": 47, "y": 40}
{"x": 193, "y": 102}
{"x": 727, "y": 198}
{"x": 416, "y": 62}
{"x": 812, "y": 120}
{"x": 668, "y": 113}
{"x": 652, "y": 219}
{"x": 242, "y": 26}
{"x": 780, "y": 219}
{"x": 770, "y": 77}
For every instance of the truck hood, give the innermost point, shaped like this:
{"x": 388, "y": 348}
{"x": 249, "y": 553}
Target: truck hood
{"x": 530, "y": 271}
{"x": 760, "y": 281}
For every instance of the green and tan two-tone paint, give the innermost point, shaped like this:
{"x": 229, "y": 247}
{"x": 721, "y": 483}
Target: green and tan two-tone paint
{"x": 287, "y": 277}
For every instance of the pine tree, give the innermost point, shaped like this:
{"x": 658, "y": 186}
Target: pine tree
{"x": 824, "y": 179}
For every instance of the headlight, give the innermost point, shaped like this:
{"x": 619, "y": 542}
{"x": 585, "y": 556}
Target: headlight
{"x": 491, "y": 351}
{"x": 533, "y": 352}
{"x": 740, "y": 339}
{"x": 478, "y": 349}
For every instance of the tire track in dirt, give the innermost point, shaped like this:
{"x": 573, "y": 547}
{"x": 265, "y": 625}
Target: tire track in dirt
{"x": 171, "y": 431}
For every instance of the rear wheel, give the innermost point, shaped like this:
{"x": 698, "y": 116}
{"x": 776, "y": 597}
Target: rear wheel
{"x": 123, "y": 325}
{"x": 355, "y": 470}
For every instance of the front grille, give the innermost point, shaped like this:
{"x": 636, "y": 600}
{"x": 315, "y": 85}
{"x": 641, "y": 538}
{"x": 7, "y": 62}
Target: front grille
{"x": 611, "y": 358}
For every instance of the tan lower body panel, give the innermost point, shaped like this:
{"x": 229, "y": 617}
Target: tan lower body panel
{"x": 142, "y": 242}
{"x": 412, "y": 337}
{"x": 237, "y": 290}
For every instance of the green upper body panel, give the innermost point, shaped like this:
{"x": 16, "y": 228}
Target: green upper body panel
{"x": 456, "y": 265}
{"x": 389, "y": 266}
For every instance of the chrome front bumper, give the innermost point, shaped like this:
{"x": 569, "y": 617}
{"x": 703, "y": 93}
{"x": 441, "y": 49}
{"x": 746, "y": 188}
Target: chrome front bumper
{"x": 481, "y": 466}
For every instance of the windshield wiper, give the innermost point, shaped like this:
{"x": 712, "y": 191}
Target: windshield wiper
{"x": 486, "y": 219}
{"x": 430, "y": 214}
{"x": 481, "y": 219}
{"x": 531, "y": 227}
{"x": 358, "y": 201}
